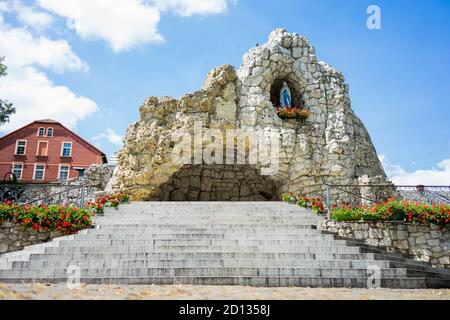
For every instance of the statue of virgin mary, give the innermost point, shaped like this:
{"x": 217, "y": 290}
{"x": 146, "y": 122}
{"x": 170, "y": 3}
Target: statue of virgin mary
{"x": 285, "y": 96}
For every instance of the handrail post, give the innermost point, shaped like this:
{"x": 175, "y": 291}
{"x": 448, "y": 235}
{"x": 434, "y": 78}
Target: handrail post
{"x": 82, "y": 195}
{"x": 328, "y": 202}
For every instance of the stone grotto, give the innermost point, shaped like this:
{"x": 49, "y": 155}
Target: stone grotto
{"x": 331, "y": 146}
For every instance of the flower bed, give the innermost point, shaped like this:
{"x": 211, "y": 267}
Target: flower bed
{"x": 66, "y": 220}
{"x": 389, "y": 210}
{"x": 293, "y": 113}
{"x": 315, "y": 204}
{"x": 395, "y": 210}
{"x": 111, "y": 201}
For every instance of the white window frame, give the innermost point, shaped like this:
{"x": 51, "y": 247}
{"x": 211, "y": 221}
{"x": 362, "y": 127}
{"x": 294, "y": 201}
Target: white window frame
{"x": 47, "y": 131}
{"x": 62, "y": 149}
{"x": 25, "y": 147}
{"x": 43, "y": 132}
{"x": 21, "y": 171}
{"x": 59, "y": 171}
{"x": 37, "y": 150}
{"x": 43, "y": 172}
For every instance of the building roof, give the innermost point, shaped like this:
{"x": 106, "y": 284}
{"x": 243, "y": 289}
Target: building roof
{"x": 47, "y": 121}
{"x": 59, "y": 123}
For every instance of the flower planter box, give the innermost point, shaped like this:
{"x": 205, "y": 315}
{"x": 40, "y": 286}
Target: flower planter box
{"x": 293, "y": 113}
{"x": 290, "y": 117}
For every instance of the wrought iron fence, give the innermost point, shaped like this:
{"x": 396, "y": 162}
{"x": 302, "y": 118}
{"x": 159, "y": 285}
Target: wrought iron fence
{"x": 366, "y": 194}
{"x": 23, "y": 194}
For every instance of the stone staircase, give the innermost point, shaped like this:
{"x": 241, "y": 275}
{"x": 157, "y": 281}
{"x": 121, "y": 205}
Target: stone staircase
{"x": 214, "y": 243}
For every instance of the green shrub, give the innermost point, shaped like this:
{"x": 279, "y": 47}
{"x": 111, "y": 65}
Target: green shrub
{"x": 346, "y": 214}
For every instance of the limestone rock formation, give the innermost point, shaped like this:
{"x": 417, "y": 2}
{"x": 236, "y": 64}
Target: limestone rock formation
{"x": 330, "y": 147}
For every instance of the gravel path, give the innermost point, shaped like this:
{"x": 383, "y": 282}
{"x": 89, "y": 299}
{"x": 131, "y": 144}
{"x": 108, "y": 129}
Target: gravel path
{"x": 139, "y": 292}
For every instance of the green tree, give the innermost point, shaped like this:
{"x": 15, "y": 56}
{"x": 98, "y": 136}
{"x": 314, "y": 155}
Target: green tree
{"x": 6, "y": 108}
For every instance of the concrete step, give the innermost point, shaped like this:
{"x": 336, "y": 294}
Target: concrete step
{"x": 209, "y": 204}
{"x": 259, "y": 212}
{"x": 204, "y": 272}
{"x": 202, "y": 242}
{"x": 256, "y": 281}
{"x": 200, "y": 236}
{"x": 396, "y": 258}
{"x": 231, "y": 222}
{"x": 210, "y": 211}
{"x": 210, "y": 227}
{"x": 189, "y": 217}
{"x": 247, "y": 215}
{"x": 213, "y": 207}
{"x": 197, "y": 263}
{"x": 111, "y": 213}
{"x": 421, "y": 267}
{"x": 201, "y": 248}
{"x": 199, "y": 256}
{"x": 213, "y": 215}
{"x": 207, "y": 224}
{"x": 198, "y": 230}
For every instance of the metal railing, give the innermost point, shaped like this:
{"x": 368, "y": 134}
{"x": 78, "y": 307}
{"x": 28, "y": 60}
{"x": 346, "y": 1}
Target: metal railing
{"x": 25, "y": 194}
{"x": 366, "y": 194}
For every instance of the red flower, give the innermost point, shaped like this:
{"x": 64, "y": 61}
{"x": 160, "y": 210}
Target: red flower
{"x": 410, "y": 216}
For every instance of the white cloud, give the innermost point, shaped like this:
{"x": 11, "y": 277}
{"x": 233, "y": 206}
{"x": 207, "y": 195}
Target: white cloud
{"x": 391, "y": 170}
{"x": 3, "y": 6}
{"x": 28, "y": 15}
{"x": 110, "y": 135}
{"x": 188, "y": 8}
{"x": 32, "y": 17}
{"x": 22, "y": 48}
{"x": 124, "y": 24}
{"x": 438, "y": 175}
{"x": 36, "y": 97}
{"x": 29, "y": 89}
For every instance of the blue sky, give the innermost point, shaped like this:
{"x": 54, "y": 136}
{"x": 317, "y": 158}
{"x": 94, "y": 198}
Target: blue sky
{"x": 108, "y": 63}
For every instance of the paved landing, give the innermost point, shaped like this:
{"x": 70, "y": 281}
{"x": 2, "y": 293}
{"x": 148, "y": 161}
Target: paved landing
{"x": 151, "y": 292}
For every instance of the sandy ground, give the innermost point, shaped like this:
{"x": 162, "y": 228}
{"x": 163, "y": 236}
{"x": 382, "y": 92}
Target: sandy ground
{"x": 141, "y": 292}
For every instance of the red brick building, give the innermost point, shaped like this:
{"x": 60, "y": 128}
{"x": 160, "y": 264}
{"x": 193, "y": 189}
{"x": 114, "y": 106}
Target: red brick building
{"x": 46, "y": 151}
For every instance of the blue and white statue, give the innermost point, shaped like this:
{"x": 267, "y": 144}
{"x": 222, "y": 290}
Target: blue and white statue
{"x": 285, "y": 96}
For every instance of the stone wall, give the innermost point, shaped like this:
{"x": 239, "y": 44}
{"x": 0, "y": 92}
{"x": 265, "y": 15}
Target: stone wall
{"x": 14, "y": 237}
{"x": 98, "y": 175}
{"x": 218, "y": 183}
{"x": 425, "y": 242}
